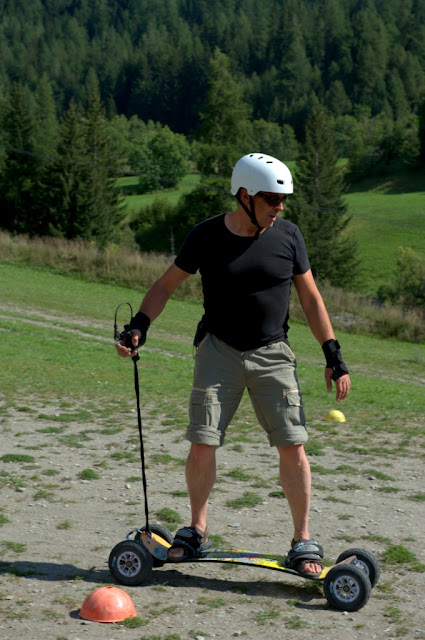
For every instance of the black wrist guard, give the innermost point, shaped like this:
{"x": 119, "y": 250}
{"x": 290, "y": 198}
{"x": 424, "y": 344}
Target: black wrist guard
{"x": 334, "y": 360}
{"x": 141, "y": 322}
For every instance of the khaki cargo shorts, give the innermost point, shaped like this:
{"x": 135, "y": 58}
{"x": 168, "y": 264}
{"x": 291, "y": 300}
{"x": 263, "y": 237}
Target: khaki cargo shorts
{"x": 222, "y": 373}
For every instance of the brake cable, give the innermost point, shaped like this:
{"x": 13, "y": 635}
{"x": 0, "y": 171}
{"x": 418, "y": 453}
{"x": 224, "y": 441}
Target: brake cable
{"x": 126, "y": 336}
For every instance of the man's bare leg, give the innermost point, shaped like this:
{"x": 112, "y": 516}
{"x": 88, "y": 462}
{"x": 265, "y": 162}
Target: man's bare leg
{"x": 200, "y": 479}
{"x": 295, "y": 478}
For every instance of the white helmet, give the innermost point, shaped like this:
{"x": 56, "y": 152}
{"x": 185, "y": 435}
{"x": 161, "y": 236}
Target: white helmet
{"x": 259, "y": 172}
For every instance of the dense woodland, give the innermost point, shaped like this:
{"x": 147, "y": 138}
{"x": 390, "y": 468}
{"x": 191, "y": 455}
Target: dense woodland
{"x": 151, "y": 59}
{"x": 94, "y": 89}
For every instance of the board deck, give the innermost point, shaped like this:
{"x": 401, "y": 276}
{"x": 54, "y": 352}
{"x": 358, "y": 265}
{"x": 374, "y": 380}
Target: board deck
{"x": 347, "y": 585}
{"x": 159, "y": 549}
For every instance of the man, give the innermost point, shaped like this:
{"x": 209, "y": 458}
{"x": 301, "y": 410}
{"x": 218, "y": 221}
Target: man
{"x": 248, "y": 259}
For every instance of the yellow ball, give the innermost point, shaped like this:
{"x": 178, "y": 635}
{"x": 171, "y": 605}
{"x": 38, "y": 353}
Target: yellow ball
{"x": 335, "y": 416}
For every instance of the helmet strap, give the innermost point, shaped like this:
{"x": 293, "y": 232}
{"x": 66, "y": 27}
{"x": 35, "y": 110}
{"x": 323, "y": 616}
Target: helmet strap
{"x": 249, "y": 211}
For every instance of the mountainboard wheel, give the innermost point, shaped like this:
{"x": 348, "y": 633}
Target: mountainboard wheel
{"x": 346, "y": 587}
{"x": 365, "y": 561}
{"x": 130, "y": 563}
{"x": 159, "y": 530}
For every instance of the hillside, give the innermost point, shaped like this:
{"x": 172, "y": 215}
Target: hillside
{"x": 157, "y": 91}
{"x": 151, "y": 59}
{"x": 387, "y": 212}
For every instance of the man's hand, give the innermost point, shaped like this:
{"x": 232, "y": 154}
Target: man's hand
{"x": 138, "y": 327}
{"x": 125, "y": 351}
{"x": 343, "y": 384}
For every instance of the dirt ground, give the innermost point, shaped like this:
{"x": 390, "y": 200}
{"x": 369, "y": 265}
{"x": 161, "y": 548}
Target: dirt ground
{"x": 57, "y": 529}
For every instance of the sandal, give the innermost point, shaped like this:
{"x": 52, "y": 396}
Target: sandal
{"x": 193, "y": 542}
{"x": 303, "y": 552}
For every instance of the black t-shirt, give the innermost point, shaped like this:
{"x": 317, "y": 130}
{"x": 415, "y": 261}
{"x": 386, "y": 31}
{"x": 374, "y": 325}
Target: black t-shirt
{"x": 246, "y": 280}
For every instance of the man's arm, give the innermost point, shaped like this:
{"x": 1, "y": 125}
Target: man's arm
{"x": 320, "y": 325}
{"x": 154, "y": 302}
{"x": 161, "y": 291}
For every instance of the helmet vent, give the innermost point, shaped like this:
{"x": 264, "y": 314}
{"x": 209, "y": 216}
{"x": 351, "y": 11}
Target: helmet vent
{"x": 280, "y": 181}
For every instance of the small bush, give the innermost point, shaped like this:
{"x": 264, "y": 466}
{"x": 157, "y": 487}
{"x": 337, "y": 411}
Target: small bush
{"x": 407, "y": 288}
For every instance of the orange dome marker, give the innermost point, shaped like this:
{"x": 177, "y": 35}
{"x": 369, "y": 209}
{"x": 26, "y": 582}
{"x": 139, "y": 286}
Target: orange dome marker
{"x": 107, "y": 604}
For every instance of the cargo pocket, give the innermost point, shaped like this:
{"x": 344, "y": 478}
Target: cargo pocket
{"x": 294, "y": 407}
{"x": 204, "y": 418}
{"x": 204, "y": 409}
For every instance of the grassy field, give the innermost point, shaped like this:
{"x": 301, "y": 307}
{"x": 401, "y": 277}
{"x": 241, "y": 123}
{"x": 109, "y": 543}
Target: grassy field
{"x": 57, "y": 335}
{"x": 386, "y": 213}
{"x": 70, "y": 467}
{"x": 385, "y": 216}
{"x": 135, "y": 202}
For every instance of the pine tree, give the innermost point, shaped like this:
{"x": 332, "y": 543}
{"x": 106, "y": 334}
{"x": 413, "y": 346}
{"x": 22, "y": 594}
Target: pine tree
{"x": 318, "y": 207}
{"x": 103, "y": 211}
{"x": 84, "y": 202}
{"x": 422, "y": 134}
{"x": 225, "y": 135}
{"x": 45, "y": 117}
{"x": 225, "y": 120}
{"x": 21, "y": 176}
{"x": 68, "y": 217}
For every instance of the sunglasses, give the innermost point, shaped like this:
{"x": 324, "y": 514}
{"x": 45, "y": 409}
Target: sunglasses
{"x": 274, "y": 199}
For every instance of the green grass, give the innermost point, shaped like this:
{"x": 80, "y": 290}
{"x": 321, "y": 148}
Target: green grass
{"x": 166, "y": 459}
{"x": 212, "y": 603}
{"x": 136, "y": 202}
{"x": 296, "y": 622}
{"x": 248, "y": 499}
{"x": 399, "y": 555}
{"x": 277, "y": 494}
{"x": 386, "y": 215}
{"x": 417, "y": 497}
{"x": 88, "y": 474}
{"x": 3, "y": 520}
{"x": 10, "y": 545}
{"x": 17, "y": 457}
{"x": 43, "y": 494}
{"x": 79, "y": 304}
{"x": 56, "y": 362}
{"x": 239, "y": 474}
{"x": 267, "y": 616}
{"x": 133, "y": 623}
{"x": 169, "y": 516}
